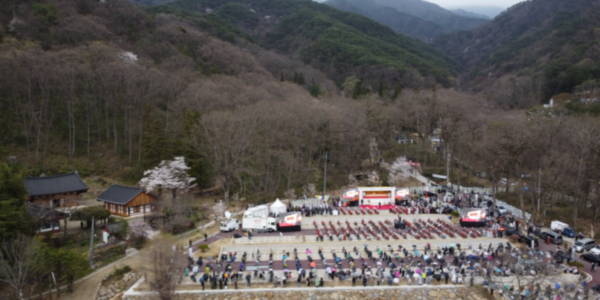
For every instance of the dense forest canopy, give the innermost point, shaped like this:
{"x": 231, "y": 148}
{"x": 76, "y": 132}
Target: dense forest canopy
{"x": 111, "y": 89}
{"x": 547, "y": 47}
{"x": 336, "y": 42}
{"x": 91, "y": 86}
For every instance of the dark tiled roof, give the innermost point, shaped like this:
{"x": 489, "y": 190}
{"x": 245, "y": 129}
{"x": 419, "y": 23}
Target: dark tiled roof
{"x": 120, "y": 194}
{"x": 52, "y": 185}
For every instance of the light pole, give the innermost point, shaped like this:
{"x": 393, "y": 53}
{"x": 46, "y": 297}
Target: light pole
{"x": 91, "y": 246}
{"x": 326, "y": 157}
{"x": 539, "y": 189}
{"x": 448, "y": 165}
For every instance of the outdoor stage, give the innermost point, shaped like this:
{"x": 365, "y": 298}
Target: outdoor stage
{"x": 383, "y": 207}
{"x": 372, "y": 197}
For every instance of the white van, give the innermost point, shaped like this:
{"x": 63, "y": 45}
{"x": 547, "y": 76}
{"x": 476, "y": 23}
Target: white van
{"x": 584, "y": 244}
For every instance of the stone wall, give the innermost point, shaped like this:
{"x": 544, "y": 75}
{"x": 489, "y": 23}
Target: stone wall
{"x": 425, "y": 293}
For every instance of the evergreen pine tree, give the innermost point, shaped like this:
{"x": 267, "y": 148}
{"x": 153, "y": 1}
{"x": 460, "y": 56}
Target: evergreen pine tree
{"x": 155, "y": 143}
{"x": 199, "y": 166}
{"x": 381, "y": 89}
{"x": 13, "y": 218}
{"x": 301, "y": 79}
{"x": 397, "y": 91}
{"x": 357, "y": 90}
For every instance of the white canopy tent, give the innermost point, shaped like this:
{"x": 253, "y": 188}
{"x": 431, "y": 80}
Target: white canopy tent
{"x": 277, "y": 207}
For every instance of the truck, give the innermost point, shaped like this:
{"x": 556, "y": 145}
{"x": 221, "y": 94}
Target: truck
{"x": 562, "y": 228}
{"x": 230, "y": 224}
{"x": 258, "y": 219}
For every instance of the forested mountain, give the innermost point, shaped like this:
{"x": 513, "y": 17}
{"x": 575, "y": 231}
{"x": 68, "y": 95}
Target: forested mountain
{"x": 465, "y": 13}
{"x": 337, "y": 42}
{"x": 419, "y": 19}
{"x": 432, "y": 12}
{"x": 400, "y": 22}
{"x": 489, "y": 12}
{"x": 545, "y": 46}
{"x": 109, "y": 89}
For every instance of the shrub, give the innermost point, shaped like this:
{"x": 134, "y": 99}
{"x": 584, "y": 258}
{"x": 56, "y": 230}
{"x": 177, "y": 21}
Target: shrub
{"x": 203, "y": 248}
{"x": 120, "y": 271}
{"x": 139, "y": 234}
{"x": 576, "y": 264}
{"x": 455, "y": 214}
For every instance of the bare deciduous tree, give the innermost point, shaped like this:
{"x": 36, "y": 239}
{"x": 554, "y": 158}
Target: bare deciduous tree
{"x": 21, "y": 261}
{"x": 165, "y": 265}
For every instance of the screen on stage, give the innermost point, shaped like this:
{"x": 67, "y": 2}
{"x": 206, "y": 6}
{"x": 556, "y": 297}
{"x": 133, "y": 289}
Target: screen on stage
{"x": 472, "y": 215}
{"x": 293, "y": 219}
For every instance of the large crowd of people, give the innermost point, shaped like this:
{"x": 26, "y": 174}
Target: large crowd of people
{"x": 401, "y": 265}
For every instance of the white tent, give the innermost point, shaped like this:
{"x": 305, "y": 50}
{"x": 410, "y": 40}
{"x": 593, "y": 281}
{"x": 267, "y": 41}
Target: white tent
{"x": 277, "y": 207}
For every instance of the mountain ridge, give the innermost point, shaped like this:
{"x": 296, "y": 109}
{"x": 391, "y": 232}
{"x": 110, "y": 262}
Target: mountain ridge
{"x": 470, "y": 14}
{"x": 415, "y": 18}
{"x": 432, "y": 12}
{"x": 313, "y": 32}
{"x": 552, "y": 45}
{"x": 489, "y": 11}
{"x": 400, "y": 22}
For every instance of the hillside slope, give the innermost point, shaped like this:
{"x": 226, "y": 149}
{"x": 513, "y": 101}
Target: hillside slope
{"x": 469, "y": 14}
{"x": 337, "y": 42}
{"x": 110, "y": 91}
{"x": 489, "y": 11}
{"x": 400, "y": 22}
{"x": 434, "y": 13}
{"x": 554, "y": 42}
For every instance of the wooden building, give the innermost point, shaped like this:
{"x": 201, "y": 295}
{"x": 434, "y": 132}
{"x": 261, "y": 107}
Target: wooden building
{"x": 58, "y": 191}
{"x": 46, "y": 219}
{"x": 128, "y": 201}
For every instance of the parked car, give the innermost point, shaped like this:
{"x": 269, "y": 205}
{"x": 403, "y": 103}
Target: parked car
{"x": 525, "y": 239}
{"x": 585, "y": 244}
{"x": 595, "y": 250}
{"x": 591, "y": 258}
{"x": 569, "y": 232}
{"x": 555, "y": 238}
{"x": 502, "y": 209}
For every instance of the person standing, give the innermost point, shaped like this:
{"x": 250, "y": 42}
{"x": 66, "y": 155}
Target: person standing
{"x": 299, "y": 280}
{"x": 593, "y": 267}
{"x": 205, "y": 237}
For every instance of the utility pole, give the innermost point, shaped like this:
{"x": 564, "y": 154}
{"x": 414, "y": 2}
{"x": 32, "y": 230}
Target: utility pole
{"x": 92, "y": 246}
{"x": 448, "y": 165}
{"x": 325, "y": 177}
{"x": 539, "y": 189}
